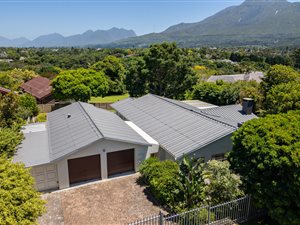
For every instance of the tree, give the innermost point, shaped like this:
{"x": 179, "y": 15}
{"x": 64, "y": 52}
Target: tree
{"x": 79, "y": 85}
{"x": 283, "y": 98}
{"x": 266, "y": 153}
{"x": 19, "y": 202}
{"x": 12, "y": 79}
{"x": 10, "y": 139}
{"x": 9, "y": 111}
{"x": 169, "y": 70}
{"x": 113, "y": 68}
{"x": 296, "y": 56}
{"x": 279, "y": 74}
{"x": 220, "y": 93}
{"x": 27, "y": 106}
{"x": 136, "y": 77}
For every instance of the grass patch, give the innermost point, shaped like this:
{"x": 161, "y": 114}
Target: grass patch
{"x": 108, "y": 99}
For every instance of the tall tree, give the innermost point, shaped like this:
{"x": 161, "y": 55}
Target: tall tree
{"x": 9, "y": 111}
{"x": 136, "y": 77}
{"x": 27, "y": 106}
{"x": 80, "y": 84}
{"x": 113, "y": 68}
{"x": 283, "y": 98}
{"x": 169, "y": 70}
{"x": 279, "y": 74}
{"x": 266, "y": 153}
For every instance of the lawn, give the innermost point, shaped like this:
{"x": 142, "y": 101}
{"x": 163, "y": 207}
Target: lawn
{"x": 108, "y": 99}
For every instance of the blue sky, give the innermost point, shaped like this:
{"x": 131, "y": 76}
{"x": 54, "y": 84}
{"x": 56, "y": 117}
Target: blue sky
{"x": 31, "y": 18}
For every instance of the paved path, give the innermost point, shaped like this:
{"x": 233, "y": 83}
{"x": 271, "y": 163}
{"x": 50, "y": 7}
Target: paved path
{"x": 116, "y": 201}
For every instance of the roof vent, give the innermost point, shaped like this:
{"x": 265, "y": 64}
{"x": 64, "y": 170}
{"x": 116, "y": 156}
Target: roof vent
{"x": 69, "y": 115}
{"x": 248, "y": 104}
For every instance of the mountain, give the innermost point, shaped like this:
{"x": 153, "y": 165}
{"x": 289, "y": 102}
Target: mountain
{"x": 263, "y": 22}
{"x": 87, "y": 38}
{"x": 5, "y": 42}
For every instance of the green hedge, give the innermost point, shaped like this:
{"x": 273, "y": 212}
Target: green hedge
{"x": 162, "y": 177}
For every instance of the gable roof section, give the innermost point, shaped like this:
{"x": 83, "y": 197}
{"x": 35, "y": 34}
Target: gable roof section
{"x": 39, "y": 87}
{"x": 178, "y": 130}
{"x": 80, "y": 124}
{"x": 4, "y": 90}
{"x": 230, "y": 114}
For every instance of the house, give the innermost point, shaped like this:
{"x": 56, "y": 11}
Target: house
{"x": 79, "y": 143}
{"x": 40, "y": 88}
{"x": 256, "y": 76}
{"x": 182, "y": 129}
{"x": 4, "y": 91}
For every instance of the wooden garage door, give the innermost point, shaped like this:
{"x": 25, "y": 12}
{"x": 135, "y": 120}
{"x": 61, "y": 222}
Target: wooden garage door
{"x": 85, "y": 168}
{"x": 120, "y": 162}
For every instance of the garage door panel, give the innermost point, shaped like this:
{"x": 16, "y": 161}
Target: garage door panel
{"x": 120, "y": 162}
{"x": 45, "y": 177}
{"x": 85, "y": 168}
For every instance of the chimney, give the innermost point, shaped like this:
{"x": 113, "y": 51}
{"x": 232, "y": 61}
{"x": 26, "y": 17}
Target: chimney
{"x": 69, "y": 115}
{"x": 248, "y": 104}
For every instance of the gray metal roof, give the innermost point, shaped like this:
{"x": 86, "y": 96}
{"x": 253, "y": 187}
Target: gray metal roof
{"x": 257, "y": 76}
{"x": 177, "y": 128}
{"x": 231, "y": 114}
{"x": 80, "y": 124}
{"x": 34, "y": 149}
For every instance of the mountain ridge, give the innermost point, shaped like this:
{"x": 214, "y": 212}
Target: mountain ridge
{"x": 86, "y": 38}
{"x": 266, "y": 22}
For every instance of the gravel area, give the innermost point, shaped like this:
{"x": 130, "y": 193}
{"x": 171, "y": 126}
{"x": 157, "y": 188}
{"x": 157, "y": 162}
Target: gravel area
{"x": 116, "y": 201}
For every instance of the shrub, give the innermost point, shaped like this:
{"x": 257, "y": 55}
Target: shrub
{"x": 266, "y": 153}
{"x": 162, "y": 179}
{"x": 42, "y": 117}
{"x": 20, "y": 203}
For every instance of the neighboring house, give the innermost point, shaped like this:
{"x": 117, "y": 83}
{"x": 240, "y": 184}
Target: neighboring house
{"x": 40, "y": 88}
{"x": 257, "y": 76}
{"x": 4, "y": 91}
{"x": 79, "y": 143}
{"x": 182, "y": 129}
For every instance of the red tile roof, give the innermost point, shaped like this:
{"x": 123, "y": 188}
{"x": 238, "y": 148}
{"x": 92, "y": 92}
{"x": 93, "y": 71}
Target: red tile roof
{"x": 39, "y": 87}
{"x": 4, "y": 90}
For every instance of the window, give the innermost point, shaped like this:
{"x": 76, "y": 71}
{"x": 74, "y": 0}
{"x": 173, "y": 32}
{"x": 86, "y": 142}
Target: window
{"x": 220, "y": 157}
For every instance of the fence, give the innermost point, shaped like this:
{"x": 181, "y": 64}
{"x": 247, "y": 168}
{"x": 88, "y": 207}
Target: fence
{"x": 239, "y": 210}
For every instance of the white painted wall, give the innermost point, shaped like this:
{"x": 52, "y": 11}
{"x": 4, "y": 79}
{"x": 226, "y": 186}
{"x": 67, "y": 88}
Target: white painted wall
{"x": 102, "y": 148}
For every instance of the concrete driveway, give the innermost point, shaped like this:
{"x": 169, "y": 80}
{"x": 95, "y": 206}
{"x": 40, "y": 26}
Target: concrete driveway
{"x": 116, "y": 201}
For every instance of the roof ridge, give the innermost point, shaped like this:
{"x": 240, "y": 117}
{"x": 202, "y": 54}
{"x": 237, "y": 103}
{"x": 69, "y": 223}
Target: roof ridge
{"x": 89, "y": 117}
{"x": 194, "y": 111}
